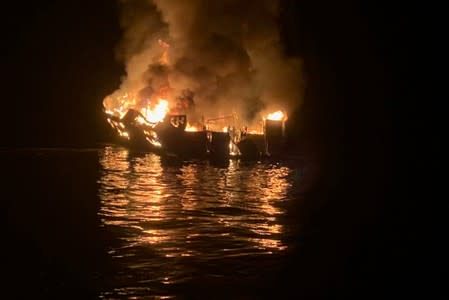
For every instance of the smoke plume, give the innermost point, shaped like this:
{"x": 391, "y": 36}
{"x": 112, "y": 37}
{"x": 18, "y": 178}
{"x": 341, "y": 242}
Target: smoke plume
{"x": 222, "y": 56}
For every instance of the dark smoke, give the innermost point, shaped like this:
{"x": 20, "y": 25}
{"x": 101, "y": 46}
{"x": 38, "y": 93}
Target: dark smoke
{"x": 226, "y": 54}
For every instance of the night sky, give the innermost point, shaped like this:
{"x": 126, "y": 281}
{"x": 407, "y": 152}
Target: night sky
{"x": 58, "y": 64}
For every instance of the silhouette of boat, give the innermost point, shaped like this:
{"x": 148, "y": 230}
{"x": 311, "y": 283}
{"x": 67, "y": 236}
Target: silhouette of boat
{"x": 170, "y": 138}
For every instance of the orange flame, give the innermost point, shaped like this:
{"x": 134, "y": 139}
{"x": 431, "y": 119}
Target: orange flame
{"x": 191, "y": 128}
{"x": 276, "y": 116}
{"x": 157, "y": 114}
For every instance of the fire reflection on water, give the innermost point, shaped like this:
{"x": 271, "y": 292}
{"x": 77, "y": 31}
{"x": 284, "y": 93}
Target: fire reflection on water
{"x": 194, "y": 209}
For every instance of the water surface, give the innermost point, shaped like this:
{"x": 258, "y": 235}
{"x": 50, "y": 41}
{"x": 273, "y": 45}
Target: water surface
{"x": 134, "y": 224}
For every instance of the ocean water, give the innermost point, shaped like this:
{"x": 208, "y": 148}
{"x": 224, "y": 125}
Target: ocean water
{"x": 109, "y": 223}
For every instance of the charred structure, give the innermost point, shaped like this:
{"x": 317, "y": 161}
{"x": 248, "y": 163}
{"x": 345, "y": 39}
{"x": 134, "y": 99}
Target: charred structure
{"x": 170, "y": 137}
{"x": 274, "y": 136}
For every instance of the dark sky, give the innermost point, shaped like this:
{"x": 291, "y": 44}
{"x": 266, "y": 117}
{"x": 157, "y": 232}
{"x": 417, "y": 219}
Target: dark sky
{"x": 58, "y": 66}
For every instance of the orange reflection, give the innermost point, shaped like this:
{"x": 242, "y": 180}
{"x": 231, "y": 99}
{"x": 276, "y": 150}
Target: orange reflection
{"x": 184, "y": 210}
{"x": 138, "y": 197}
{"x": 189, "y": 181}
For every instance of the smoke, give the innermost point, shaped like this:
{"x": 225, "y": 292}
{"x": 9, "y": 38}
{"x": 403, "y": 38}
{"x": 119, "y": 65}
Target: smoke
{"x": 225, "y": 55}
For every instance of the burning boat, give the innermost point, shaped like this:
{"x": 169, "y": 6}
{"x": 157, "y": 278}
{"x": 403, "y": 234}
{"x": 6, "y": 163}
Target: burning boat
{"x": 164, "y": 133}
{"x": 154, "y": 109}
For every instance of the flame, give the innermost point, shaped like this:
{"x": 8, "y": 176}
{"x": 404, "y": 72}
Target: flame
{"x": 123, "y": 134}
{"x": 157, "y": 114}
{"x": 153, "y": 105}
{"x": 152, "y": 111}
{"x": 255, "y": 132}
{"x": 141, "y": 120}
{"x": 191, "y": 128}
{"x": 154, "y": 142}
{"x": 276, "y": 116}
{"x": 152, "y": 138}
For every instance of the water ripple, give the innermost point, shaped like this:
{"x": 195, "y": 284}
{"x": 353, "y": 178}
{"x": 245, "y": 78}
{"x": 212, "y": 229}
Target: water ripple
{"x": 169, "y": 218}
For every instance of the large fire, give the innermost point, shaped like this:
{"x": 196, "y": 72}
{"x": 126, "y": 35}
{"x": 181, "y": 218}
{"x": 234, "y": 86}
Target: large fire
{"x": 150, "y": 113}
{"x": 151, "y": 106}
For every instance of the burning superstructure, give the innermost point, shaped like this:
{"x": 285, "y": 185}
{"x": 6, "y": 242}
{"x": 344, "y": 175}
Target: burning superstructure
{"x": 205, "y": 78}
{"x": 171, "y": 134}
{"x": 157, "y": 119}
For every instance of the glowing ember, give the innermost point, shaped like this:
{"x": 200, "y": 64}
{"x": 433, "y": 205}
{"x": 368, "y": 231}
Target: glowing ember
{"x": 124, "y": 134}
{"x": 276, "y": 116}
{"x": 154, "y": 142}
